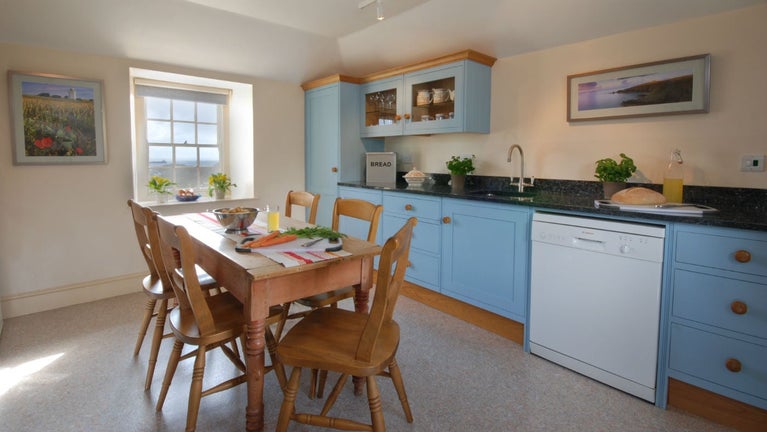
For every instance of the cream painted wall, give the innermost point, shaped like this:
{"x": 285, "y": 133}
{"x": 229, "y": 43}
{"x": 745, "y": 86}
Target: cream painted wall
{"x": 529, "y": 108}
{"x": 65, "y": 231}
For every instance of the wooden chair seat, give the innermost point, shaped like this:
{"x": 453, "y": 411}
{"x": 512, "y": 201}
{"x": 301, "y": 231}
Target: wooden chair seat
{"x": 352, "y": 344}
{"x": 328, "y": 338}
{"x": 326, "y": 299}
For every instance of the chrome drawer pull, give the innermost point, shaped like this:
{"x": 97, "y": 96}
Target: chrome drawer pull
{"x": 742, "y": 256}
{"x": 733, "y": 365}
{"x": 738, "y": 307}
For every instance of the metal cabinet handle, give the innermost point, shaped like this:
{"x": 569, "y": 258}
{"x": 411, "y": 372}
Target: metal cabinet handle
{"x": 408, "y": 207}
{"x": 409, "y": 264}
{"x": 733, "y": 365}
{"x": 738, "y": 307}
{"x": 407, "y": 116}
{"x": 397, "y": 117}
{"x": 742, "y": 256}
{"x": 334, "y": 169}
{"x": 446, "y": 219}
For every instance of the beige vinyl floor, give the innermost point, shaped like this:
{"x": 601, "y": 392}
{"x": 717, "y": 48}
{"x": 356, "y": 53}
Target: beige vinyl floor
{"x": 72, "y": 369}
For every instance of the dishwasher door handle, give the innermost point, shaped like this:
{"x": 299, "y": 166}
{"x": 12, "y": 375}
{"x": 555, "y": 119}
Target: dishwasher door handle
{"x": 589, "y": 244}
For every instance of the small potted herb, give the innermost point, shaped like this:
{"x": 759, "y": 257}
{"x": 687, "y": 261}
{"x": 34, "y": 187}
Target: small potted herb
{"x": 613, "y": 174}
{"x": 459, "y": 167}
{"x": 219, "y": 184}
{"x": 161, "y": 187}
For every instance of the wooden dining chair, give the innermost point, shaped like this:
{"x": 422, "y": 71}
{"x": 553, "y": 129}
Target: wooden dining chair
{"x": 156, "y": 287}
{"x": 204, "y": 321}
{"x": 303, "y": 199}
{"x": 351, "y": 343}
{"x": 342, "y": 208}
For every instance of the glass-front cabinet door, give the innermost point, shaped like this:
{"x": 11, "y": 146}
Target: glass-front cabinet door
{"x": 433, "y": 100}
{"x": 382, "y": 107}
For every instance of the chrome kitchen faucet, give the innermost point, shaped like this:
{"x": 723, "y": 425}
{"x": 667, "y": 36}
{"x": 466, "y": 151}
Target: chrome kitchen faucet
{"x": 521, "y": 183}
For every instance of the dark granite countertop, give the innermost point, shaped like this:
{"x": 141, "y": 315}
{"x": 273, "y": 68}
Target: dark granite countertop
{"x": 742, "y": 208}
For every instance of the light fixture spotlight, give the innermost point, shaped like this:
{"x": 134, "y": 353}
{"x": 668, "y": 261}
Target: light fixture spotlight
{"x": 379, "y": 7}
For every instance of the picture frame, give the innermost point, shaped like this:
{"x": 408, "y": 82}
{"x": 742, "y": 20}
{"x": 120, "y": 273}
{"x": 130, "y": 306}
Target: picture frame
{"x": 667, "y": 87}
{"x": 56, "y": 119}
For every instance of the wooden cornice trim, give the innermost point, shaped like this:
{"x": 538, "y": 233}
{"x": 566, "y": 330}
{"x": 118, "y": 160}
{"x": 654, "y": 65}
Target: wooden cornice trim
{"x": 445, "y": 59}
{"x": 472, "y": 55}
{"x": 329, "y": 80}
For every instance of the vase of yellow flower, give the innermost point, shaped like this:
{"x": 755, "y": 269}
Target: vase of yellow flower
{"x": 160, "y": 186}
{"x": 219, "y": 184}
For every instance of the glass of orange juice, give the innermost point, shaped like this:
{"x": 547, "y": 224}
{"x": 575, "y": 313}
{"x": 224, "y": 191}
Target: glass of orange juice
{"x": 272, "y": 218}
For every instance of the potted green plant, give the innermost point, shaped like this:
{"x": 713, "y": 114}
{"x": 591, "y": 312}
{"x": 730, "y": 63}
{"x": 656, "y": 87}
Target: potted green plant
{"x": 161, "y": 187}
{"x": 219, "y": 184}
{"x": 459, "y": 167}
{"x": 613, "y": 174}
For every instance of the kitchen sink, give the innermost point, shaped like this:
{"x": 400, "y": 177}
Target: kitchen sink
{"x": 491, "y": 193}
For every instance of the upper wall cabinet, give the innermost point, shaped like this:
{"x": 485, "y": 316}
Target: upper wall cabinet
{"x": 446, "y": 95}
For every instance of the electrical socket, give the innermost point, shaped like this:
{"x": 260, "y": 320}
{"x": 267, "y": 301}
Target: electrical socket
{"x": 752, "y": 163}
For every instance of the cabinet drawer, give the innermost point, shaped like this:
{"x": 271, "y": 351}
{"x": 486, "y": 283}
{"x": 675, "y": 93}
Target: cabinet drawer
{"x": 423, "y": 269}
{"x": 719, "y": 251}
{"x": 412, "y": 205}
{"x": 720, "y": 301}
{"x": 426, "y": 235}
{"x": 705, "y": 355}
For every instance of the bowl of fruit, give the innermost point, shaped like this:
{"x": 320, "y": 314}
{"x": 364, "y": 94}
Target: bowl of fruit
{"x": 186, "y": 195}
{"x": 236, "y": 219}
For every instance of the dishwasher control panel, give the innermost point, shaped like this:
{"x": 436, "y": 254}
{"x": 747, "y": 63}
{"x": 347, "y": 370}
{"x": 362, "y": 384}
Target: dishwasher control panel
{"x": 638, "y": 241}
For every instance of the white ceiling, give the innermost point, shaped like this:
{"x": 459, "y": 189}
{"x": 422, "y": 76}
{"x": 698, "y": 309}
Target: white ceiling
{"x": 299, "y": 40}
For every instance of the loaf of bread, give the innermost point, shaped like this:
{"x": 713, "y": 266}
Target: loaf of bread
{"x": 638, "y": 195}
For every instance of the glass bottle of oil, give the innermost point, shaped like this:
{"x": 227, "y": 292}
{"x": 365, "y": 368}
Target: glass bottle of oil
{"x": 673, "y": 178}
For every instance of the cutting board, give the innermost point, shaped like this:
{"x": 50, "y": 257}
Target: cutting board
{"x": 682, "y": 209}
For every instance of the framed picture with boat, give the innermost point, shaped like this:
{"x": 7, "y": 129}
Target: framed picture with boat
{"x": 675, "y": 86}
{"x": 56, "y": 119}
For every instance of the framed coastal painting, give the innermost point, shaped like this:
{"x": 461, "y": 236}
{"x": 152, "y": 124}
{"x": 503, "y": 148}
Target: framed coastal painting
{"x": 56, "y": 119}
{"x": 676, "y": 86}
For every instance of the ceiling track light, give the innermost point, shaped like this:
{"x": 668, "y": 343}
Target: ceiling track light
{"x": 379, "y": 7}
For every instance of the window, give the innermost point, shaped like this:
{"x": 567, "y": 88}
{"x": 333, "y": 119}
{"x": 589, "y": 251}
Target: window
{"x": 181, "y": 131}
{"x": 183, "y": 126}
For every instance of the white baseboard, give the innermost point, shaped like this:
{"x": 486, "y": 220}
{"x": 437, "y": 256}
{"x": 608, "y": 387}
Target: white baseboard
{"x": 68, "y": 295}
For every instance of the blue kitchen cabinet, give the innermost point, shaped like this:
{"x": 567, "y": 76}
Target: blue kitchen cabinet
{"x": 485, "y": 253}
{"x": 334, "y": 150}
{"x": 718, "y": 311}
{"x": 448, "y": 98}
{"x": 425, "y": 249}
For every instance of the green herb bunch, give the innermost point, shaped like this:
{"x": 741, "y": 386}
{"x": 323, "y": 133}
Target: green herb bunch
{"x": 460, "y": 166}
{"x": 315, "y": 232}
{"x": 608, "y": 170}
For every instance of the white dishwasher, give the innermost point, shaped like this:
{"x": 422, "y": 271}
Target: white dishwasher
{"x": 595, "y": 298}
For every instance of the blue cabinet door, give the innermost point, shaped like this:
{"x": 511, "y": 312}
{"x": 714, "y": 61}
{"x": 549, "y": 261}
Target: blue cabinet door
{"x": 381, "y": 108}
{"x": 322, "y": 107}
{"x": 485, "y": 250}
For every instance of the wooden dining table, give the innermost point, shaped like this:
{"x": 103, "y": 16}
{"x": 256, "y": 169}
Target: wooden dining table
{"x": 258, "y": 282}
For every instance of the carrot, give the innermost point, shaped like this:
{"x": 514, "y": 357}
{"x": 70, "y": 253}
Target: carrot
{"x": 258, "y": 241}
{"x": 278, "y": 240}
